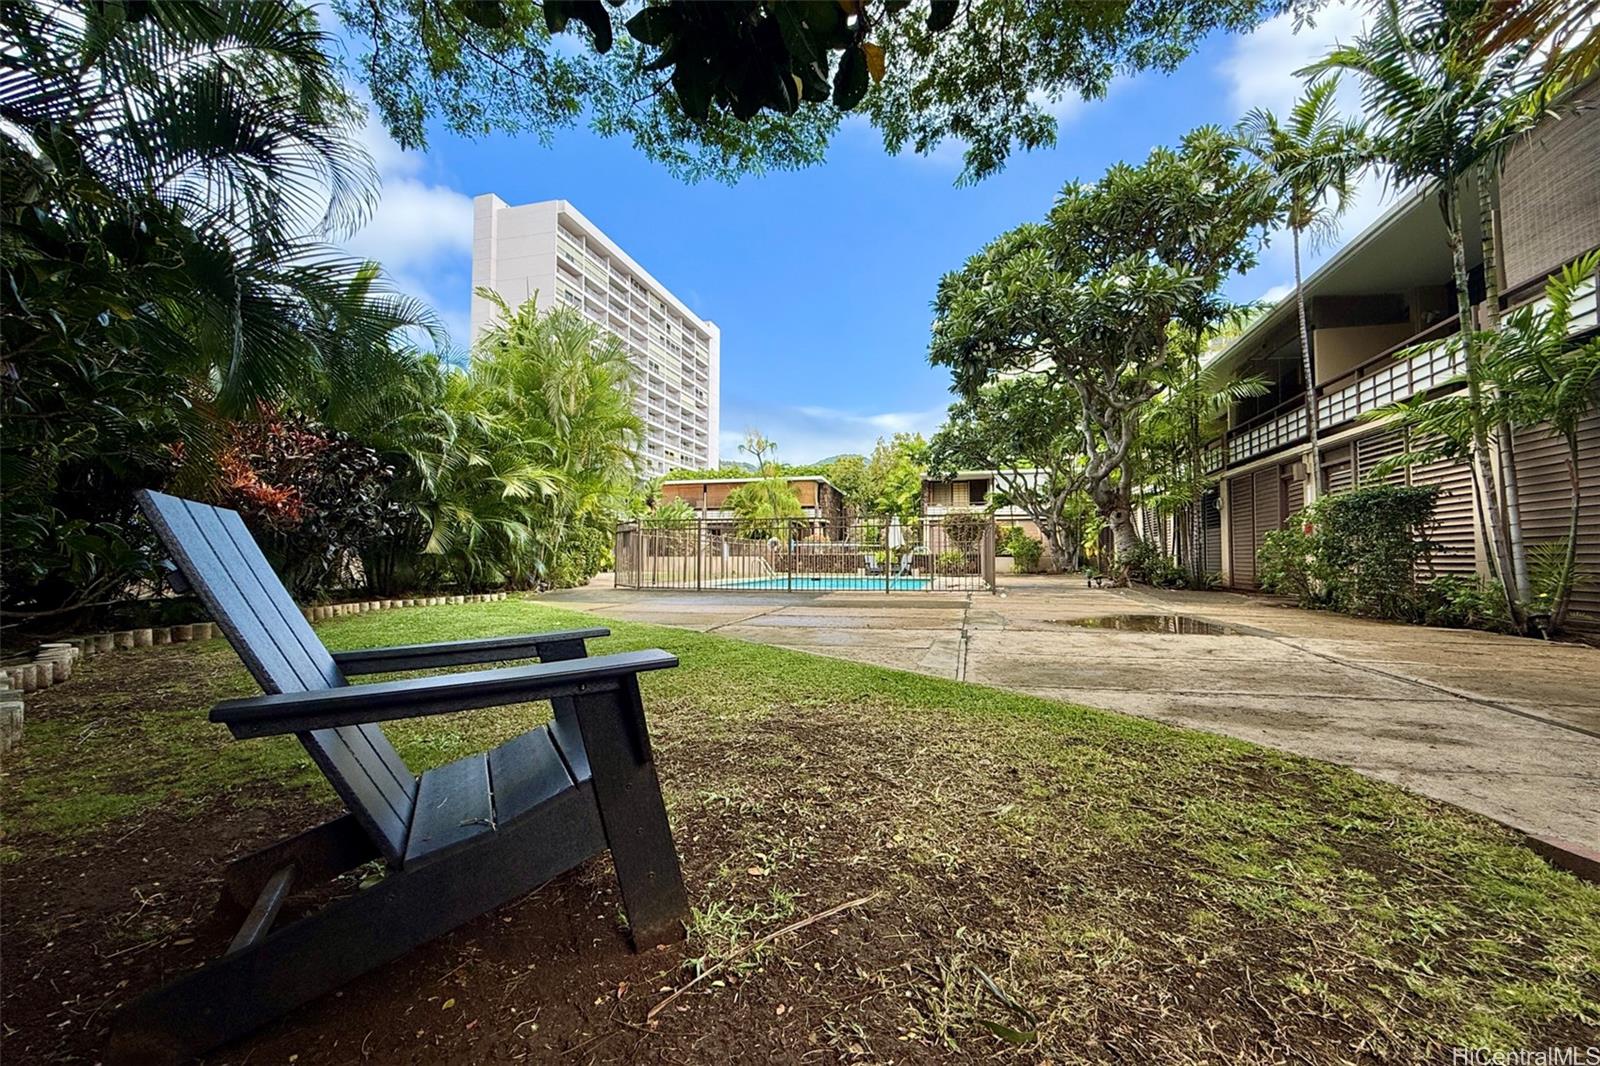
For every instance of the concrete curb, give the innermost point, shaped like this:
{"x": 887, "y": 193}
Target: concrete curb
{"x": 1579, "y": 861}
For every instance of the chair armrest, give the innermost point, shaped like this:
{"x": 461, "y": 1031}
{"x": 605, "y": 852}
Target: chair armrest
{"x": 299, "y": 712}
{"x": 567, "y": 644}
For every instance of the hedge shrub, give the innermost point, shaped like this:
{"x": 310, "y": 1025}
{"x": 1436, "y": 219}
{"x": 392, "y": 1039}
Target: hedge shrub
{"x": 1356, "y": 552}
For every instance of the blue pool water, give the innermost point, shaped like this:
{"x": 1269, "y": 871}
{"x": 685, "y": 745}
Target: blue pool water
{"x": 831, "y": 583}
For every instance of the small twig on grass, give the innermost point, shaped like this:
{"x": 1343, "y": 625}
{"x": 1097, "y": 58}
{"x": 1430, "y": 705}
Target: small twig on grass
{"x": 753, "y": 945}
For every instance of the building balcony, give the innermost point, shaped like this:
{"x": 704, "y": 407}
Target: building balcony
{"x": 1277, "y": 429}
{"x": 1385, "y": 378}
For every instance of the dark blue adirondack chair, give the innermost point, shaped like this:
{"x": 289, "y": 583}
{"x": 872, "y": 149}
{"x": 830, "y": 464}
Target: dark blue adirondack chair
{"x": 459, "y": 840}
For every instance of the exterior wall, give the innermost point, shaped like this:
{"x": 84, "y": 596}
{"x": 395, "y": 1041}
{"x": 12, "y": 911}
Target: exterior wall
{"x": 968, "y": 490}
{"x": 1253, "y": 504}
{"x": 551, "y": 251}
{"x": 1550, "y": 192}
{"x": 1545, "y": 491}
{"x": 1340, "y": 350}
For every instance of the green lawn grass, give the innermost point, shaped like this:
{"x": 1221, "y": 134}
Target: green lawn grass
{"x": 1065, "y": 859}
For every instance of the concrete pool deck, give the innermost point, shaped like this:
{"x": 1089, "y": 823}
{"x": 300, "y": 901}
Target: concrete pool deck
{"x": 1504, "y": 726}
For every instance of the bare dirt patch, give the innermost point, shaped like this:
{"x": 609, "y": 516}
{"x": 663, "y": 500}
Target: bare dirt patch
{"x": 1043, "y": 886}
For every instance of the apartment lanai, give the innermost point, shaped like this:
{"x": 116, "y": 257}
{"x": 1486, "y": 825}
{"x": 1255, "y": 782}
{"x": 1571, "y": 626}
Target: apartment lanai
{"x": 1387, "y": 290}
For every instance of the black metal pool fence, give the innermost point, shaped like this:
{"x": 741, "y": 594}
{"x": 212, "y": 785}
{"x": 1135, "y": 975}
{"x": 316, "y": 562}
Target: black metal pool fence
{"x": 930, "y": 553}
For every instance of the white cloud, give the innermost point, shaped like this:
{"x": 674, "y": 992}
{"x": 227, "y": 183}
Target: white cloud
{"x": 1277, "y": 292}
{"x": 1260, "y": 67}
{"x": 806, "y": 433}
{"x": 420, "y": 231}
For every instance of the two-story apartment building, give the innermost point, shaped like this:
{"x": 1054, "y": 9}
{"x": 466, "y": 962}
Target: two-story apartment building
{"x": 821, "y": 503}
{"x": 971, "y": 490}
{"x": 1387, "y": 290}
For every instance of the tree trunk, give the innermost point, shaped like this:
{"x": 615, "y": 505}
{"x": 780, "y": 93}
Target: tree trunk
{"x": 1307, "y": 363}
{"x": 1124, "y": 538}
{"x": 1569, "y": 564}
{"x": 1482, "y": 467}
{"x": 1060, "y": 548}
{"x": 1501, "y": 433}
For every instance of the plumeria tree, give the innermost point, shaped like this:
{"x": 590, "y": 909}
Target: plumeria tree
{"x": 1090, "y": 298}
{"x": 724, "y": 89}
{"x": 1028, "y": 431}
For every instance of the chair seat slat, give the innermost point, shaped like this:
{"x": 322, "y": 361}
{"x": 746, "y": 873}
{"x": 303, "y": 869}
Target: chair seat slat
{"x": 525, "y": 772}
{"x": 453, "y": 809}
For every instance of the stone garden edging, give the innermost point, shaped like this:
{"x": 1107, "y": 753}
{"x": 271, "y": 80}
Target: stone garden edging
{"x": 54, "y": 662}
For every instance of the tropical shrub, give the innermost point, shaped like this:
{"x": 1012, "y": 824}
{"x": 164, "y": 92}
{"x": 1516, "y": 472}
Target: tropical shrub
{"x": 1464, "y": 603}
{"x": 313, "y": 497}
{"x": 1026, "y": 552}
{"x": 765, "y": 507}
{"x": 1358, "y": 552}
{"x": 530, "y": 454}
{"x": 170, "y": 170}
{"x": 674, "y": 512}
{"x": 965, "y": 528}
{"x": 1145, "y": 563}
{"x": 1287, "y": 563}
{"x": 952, "y": 561}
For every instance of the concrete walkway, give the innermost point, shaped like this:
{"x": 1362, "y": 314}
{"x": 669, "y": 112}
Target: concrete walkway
{"x": 1500, "y": 725}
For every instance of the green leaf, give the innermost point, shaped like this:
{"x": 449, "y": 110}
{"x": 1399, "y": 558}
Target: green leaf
{"x": 486, "y": 13}
{"x": 941, "y": 13}
{"x": 1008, "y": 1034}
{"x": 598, "y": 19}
{"x": 692, "y": 83}
{"x": 653, "y": 25}
{"x": 592, "y": 13}
{"x": 556, "y": 14}
{"x": 850, "y": 83}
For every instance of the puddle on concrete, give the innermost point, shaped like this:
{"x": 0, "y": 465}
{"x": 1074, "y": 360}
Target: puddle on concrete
{"x": 1181, "y": 624}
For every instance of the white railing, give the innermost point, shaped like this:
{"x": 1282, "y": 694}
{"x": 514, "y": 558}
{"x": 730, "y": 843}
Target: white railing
{"x": 1399, "y": 381}
{"x": 1585, "y": 309}
{"x": 1267, "y": 436}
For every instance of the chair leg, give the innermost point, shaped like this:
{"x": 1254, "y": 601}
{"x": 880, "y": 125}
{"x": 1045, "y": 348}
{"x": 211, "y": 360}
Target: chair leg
{"x": 295, "y": 964}
{"x": 633, "y": 814}
{"x": 318, "y": 854}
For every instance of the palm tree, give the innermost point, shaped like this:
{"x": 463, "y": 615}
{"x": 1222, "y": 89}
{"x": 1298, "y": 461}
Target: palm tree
{"x": 1568, "y": 30}
{"x": 1314, "y": 159}
{"x": 534, "y": 447}
{"x": 1191, "y": 408}
{"x": 1439, "y": 106}
{"x": 171, "y": 171}
{"x": 1538, "y": 377}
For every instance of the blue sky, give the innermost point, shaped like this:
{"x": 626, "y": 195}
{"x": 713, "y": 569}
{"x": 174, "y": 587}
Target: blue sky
{"x": 821, "y": 280}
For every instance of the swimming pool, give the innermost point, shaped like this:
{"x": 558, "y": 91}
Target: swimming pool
{"x": 831, "y": 583}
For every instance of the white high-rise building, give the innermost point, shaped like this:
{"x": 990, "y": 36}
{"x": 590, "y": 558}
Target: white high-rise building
{"x": 549, "y": 248}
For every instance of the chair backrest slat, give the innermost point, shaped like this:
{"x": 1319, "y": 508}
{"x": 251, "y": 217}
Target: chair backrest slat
{"x": 225, "y": 566}
{"x": 289, "y": 628}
